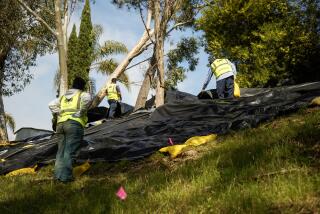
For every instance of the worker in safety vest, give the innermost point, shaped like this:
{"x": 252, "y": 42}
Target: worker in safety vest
{"x": 225, "y": 72}
{"x": 71, "y": 110}
{"x": 114, "y": 96}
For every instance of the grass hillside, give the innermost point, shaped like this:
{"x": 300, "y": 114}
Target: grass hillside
{"x": 270, "y": 169}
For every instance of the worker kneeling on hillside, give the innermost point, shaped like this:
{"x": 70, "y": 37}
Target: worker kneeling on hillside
{"x": 71, "y": 110}
{"x": 114, "y": 96}
{"x": 225, "y": 72}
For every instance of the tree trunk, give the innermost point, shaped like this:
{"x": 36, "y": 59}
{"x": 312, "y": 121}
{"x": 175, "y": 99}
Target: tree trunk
{"x": 145, "y": 87}
{"x": 65, "y": 24}
{"x": 61, "y": 49}
{"x": 136, "y": 51}
{"x": 3, "y": 125}
{"x": 159, "y": 37}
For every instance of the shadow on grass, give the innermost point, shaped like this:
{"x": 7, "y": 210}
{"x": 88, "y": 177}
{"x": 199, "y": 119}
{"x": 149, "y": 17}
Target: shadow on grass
{"x": 32, "y": 197}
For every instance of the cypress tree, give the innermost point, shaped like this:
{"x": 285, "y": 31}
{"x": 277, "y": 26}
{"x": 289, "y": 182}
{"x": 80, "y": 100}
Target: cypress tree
{"x": 72, "y": 60}
{"x": 85, "y": 44}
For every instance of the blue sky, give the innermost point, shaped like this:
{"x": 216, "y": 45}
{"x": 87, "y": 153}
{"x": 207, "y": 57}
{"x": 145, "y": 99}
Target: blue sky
{"x": 30, "y": 107}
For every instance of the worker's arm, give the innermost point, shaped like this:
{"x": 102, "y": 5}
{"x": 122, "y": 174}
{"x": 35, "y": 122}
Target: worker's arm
{"x": 54, "y": 106}
{"x": 209, "y": 76}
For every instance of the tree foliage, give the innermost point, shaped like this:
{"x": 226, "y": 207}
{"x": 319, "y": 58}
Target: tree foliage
{"x": 106, "y": 64}
{"x": 186, "y": 51}
{"x": 272, "y": 42}
{"x": 22, "y": 39}
{"x": 167, "y": 16}
{"x": 72, "y": 59}
{"x": 85, "y": 44}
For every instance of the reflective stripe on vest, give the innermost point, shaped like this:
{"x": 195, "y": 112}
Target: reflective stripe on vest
{"x": 70, "y": 106}
{"x": 112, "y": 92}
{"x": 220, "y": 66}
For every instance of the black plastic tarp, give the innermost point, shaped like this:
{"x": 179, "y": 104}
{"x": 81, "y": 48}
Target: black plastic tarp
{"x": 183, "y": 116}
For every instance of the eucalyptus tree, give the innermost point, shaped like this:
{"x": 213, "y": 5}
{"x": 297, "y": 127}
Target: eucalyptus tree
{"x": 56, "y": 21}
{"x": 22, "y": 39}
{"x": 167, "y": 16}
{"x": 141, "y": 45}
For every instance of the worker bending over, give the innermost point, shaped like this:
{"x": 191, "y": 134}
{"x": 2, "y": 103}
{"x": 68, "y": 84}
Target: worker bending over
{"x": 114, "y": 96}
{"x": 71, "y": 110}
{"x": 225, "y": 72}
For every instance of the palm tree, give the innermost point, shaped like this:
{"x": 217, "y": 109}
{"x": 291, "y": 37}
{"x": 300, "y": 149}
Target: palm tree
{"x": 10, "y": 121}
{"x": 102, "y": 60}
{"x": 102, "y": 57}
{"x": 105, "y": 64}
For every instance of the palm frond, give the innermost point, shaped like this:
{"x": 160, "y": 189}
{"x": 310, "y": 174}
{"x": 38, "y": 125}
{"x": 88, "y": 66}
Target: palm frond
{"x": 107, "y": 66}
{"x": 96, "y": 34}
{"x": 113, "y": 47}
{"x": 124, "y": 79}
{"x": 10, "y": 121}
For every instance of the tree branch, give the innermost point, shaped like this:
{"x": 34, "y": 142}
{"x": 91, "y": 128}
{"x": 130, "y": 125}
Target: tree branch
{"x": 65, "y": 7}
{"x": 25, "y": 6}
{"x": 144, "y": 48}
{"x": 178, "y": 25}
{"x": 138, "y": 63}
{"x": 148, "y": 20}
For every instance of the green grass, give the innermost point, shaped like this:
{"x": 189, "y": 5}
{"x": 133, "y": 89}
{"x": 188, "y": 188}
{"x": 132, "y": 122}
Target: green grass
{"x": 270, "y": 169}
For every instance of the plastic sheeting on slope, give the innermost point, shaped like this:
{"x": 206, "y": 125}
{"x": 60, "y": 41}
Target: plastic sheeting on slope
{"x": 184, "y": 116}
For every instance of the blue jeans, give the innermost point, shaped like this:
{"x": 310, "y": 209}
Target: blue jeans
{"x": 70, "y": 135}
{"x": 112, "y": 108}
{"x": 225, "y": 87}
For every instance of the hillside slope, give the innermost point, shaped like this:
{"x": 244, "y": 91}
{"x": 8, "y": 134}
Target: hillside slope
{"x": 270, "y": 169}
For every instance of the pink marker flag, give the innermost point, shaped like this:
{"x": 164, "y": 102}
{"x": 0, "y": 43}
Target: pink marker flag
{"x": 170, "y": 141}
{"x": 121, "y": 193}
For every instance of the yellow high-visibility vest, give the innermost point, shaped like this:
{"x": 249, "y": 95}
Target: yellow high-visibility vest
{"x": 112, "y": 92}
{"x": 220, "y": 66}
{"x": 70, "y": 106}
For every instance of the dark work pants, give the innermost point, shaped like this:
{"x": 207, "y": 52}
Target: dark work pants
{"x": 112, "y": 108}
{"x": 225, "y": 87}
{"x": 70, "y": 135}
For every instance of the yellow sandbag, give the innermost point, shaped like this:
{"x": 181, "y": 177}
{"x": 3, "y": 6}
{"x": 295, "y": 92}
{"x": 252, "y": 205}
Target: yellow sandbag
{"x": 199, "y": 140}
{"x": 6, "y": 143}
{"x": 316, "y": 101}
{"x": 236, "y": 92}
{"x": 23, "y": 171}
{"x": 79, "y": 170}
{"x": 174, "y": 150}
